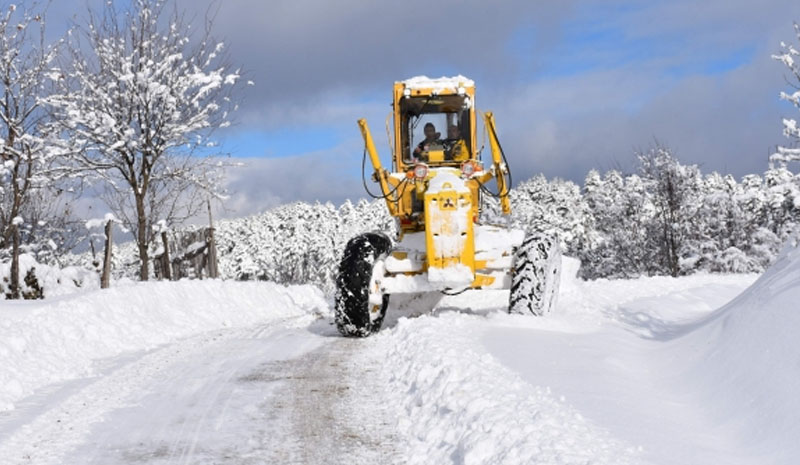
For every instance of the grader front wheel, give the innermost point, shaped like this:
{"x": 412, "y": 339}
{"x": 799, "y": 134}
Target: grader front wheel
{"x": 536, "y": 276}
{"x": 354, "y": 313}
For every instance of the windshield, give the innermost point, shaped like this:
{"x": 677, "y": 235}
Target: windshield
{"x": 436, "y": 129}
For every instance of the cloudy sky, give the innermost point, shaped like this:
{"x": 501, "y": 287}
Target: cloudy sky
{"x": 574, "y": 85}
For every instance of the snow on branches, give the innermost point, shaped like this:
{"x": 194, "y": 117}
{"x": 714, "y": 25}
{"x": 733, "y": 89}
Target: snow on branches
{"x": 614, "y": 224}
{"x": 790, "y": 57}
{"x": 144, "y": 91}
{"x": 140, "y": 100}
{"x": 27, "y": 161}
{"x": 31, "y": 166}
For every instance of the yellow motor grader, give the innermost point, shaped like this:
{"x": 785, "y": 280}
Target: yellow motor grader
{"x": 434, "y": 191}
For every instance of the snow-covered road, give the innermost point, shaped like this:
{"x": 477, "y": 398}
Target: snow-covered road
{"x": 281, "y": 390}
{"x": 619, "y": 375}
{"x": 167, "y": 405}
{"x": 280, "y": 393}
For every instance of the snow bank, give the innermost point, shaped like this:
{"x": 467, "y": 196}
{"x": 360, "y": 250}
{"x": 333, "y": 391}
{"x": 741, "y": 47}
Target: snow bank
{"x": 52, "y": 281}
{"x": 746, "y": 359}
{"x": 457, "y": 404}
{"x": 45, "y": 342}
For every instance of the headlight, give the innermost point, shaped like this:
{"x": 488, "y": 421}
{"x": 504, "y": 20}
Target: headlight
{"x": 469, "y": 167}
{"x": 420, "y": 171}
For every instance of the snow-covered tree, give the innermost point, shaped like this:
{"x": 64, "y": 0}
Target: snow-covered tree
{"x": 730, "y": 227}
{"x": 782, "y": 189}
{"x": 554, "y": 207}
{"x": 790, "y": 57}
{"x": 140, "y": 98}
{"x": 296, "y": 243}
{"x": 29, "y": 163}
{"x": 718, "y": 240}
{"x": 675, "y": 189}
{"x": 781, "y": 180}
{"x": 759, "y": 239}
{"x": 621, "y": 213}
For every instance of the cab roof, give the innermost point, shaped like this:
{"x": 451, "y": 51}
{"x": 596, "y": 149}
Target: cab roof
{"x": 443, "y": 85}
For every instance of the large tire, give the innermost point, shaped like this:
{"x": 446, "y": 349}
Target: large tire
{"x": 536, "y": 276}
{"x": 352, "y": 311}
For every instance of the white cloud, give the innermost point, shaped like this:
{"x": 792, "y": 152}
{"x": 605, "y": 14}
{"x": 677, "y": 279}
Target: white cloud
{"x": 319, "y": 63}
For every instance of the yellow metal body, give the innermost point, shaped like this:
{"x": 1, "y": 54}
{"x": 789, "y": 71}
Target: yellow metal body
{"x": 447, "y": 213}
{"x": 380, "y": 174}
{"x": 449, "y": 232}
{"x": 498, "y": 164}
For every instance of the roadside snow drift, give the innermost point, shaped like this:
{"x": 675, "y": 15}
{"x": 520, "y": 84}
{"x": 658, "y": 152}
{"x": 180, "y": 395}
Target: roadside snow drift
{"x": 607, "y": 378}
{"x": 746, "y": 357}
{"x": 51, "y": 341}
{"x": 457, "y": 404}
{"x": 53, "y": 281}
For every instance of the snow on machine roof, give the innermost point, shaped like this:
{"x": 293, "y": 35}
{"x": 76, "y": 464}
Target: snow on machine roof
{"x": 442, "y": 84}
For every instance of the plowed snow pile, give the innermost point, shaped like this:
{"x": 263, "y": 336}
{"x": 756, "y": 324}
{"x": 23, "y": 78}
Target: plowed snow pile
{"x": 458, "y": 405}
{"x": 746, "y": 359}
{"x": 669, "y": 371}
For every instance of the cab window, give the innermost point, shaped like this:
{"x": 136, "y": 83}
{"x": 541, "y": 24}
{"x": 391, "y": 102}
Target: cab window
{"x": 435, "y": 130}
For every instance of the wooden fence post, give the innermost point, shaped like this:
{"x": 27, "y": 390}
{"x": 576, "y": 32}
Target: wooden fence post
{"x": 105, "y": 279}
{"x": 213, "y": 272}
{"x": 15, "y": 287}
{"x": 166, "y": 264}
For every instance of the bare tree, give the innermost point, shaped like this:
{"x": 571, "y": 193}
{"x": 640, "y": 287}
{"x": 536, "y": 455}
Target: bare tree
{"x": 140, "y": 99}
{"x": 29, "y": 164}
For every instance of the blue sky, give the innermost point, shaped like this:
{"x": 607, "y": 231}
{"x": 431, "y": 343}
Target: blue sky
{"x": 596, "y": 38}
{"x": 574, "y": 84}
{"x": 281, "y": 142}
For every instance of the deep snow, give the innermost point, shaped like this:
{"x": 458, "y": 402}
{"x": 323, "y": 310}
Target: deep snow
{"x": 743, "y": 363}
{"x": 583, "y": 385}
{"x": 42, "y": 342}
{"x": 629, "y": 371}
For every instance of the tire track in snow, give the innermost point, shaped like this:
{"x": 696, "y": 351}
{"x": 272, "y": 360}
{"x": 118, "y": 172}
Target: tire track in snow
{"x": 333, "y": 403}
{"x": 339, "y": 407}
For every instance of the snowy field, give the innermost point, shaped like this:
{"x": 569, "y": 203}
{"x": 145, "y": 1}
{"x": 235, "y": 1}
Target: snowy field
{"x": 696, "y": 370}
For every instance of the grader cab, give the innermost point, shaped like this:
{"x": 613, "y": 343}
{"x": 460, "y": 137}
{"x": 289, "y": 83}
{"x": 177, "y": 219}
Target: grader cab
{"x": 434, "y": 190}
